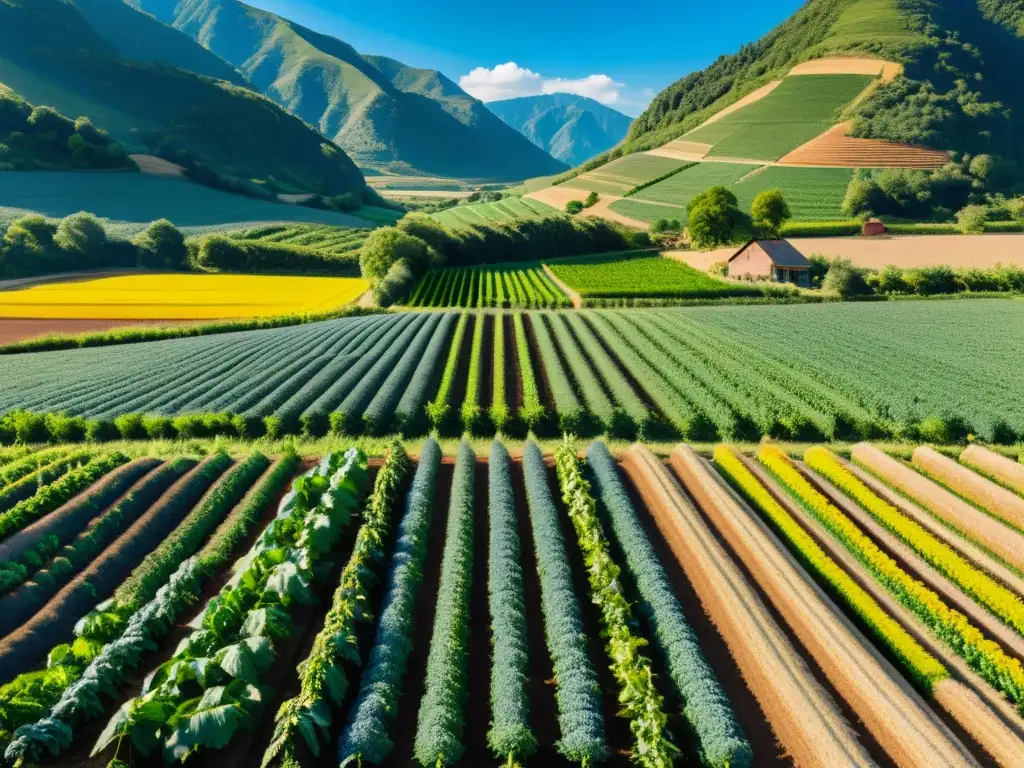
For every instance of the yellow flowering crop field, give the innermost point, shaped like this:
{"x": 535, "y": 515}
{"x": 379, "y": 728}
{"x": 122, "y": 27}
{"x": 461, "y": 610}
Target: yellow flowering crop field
{"x": 181, "y": 297}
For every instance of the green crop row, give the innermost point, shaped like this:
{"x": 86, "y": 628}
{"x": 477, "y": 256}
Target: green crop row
{"x": 522, "y": 286}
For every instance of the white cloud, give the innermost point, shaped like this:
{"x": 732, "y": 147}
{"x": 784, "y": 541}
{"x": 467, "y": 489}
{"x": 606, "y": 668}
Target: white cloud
{"x": 509, "y": 80}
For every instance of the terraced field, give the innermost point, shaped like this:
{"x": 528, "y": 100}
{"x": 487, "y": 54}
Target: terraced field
{"x": 813, "y": 194}
{"x": 803, "y": 372}
{"x": 521, "y": 285}
{"x": 624, "y": 174}
{"x": 463, "y": 216}
{"x": 683, "y": 187}
{"x": 471, "y": 607}
{"x": 318, "y": 237}
{"x": 799, "y": 109}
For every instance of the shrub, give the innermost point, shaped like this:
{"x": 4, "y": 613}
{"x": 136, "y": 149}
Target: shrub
{"x": 928, "y": 281}
{"x": 591, "y": 200}
{"x": 845, "y": 279}
{"x": 971, "y": 219}
{"x": 770, "y": 210}
{"x": 573, "y": 207}
{"x": 890, "y": 280}
{"x": 162, "y": 246}
{"x": 83, "y": 235}
{"x": 720, "y": 268}
{"x": 388, "y": 245}
{"x": 396, "y": 285}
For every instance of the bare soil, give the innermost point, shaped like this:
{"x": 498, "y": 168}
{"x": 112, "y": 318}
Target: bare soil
{"x": 804, "y": 717}
{"x": 20, "y": 329}
{"x": 835, "y": 148}
{"x": 848, "y": 65}
{"x": 558, "y": 196}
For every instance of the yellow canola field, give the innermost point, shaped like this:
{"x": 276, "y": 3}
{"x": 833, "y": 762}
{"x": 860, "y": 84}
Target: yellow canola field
{"x": 181, "y": 297}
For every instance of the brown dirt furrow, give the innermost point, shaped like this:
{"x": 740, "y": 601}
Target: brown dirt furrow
{"x": 1001, "y": 541}
{"x": 972, "y": 552}
{"x": 804, "y": 717}
{"x": 1007, "y": 471}
{"x": 1001, "y": 503}
{"x": 891, "y": 709}
{"x": 574, "y": 297}
{"x": 917, "y": 567}
{"x": 992, "y": 722}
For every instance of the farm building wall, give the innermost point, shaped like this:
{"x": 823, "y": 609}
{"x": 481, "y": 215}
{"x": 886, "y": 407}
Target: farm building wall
{"x": 752, "y": 261}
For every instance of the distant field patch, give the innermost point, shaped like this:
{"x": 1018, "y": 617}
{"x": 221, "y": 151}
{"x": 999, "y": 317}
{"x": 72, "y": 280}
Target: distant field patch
{"x": 499, "y": 285}
{"x": 130, "y": 201}
{"x": 684, "y": 186}
{"x": 463, "y": 216}
{"x": 813, "y": 194}
{"x": 620, "y": 176}
{"x": 600, "y": 185}
{"x": 638, "y": 209}
{"x": 799, "y": 109}
{"x": 181, "y": 297}
{"x": 640, "y": 275}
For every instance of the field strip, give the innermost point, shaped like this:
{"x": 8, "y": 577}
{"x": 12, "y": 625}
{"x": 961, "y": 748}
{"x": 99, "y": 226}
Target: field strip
{"x": 999, "y": 502}
{"x": 802, "y": 714}
{"x": 157, "y": 166}
{"x": 892, "y": 711}
{"x": 910, "y": 251}
{"x": 750, "y": 98}
{"x": 843, "y": 65}
{"x": 1001, "y": 541}
{"x": 558, "y": 196}
{"x": 966, "y": 548}
{"x": 834, "y": 148}
{"x": 1008, "y": 472}
{"x": 454, "y": 194}
{"x": 916, "y": 566}
{"x": 974, "y": 704}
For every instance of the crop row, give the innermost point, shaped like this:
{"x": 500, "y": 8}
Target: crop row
{"x": 491, "y": 286}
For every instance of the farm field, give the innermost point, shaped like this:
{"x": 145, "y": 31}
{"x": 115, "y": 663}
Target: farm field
{"x": 130, "y": 201}
{"x": 178, "y": 296}
{"x": 799, "y": 109}
{"x": 496, "y": 581}
{"x": 318, "y": 237}
{"x": 800, "y": 372}
{"x": 463, "y": 216}
{"x": 684, "y": 186}
{"x": 649, "y": 212}
{"x": 620, "y": 176}
{"x": 813, "y": 194}
{"x": 522, "y": 285}
{"x": 641, "y": 275}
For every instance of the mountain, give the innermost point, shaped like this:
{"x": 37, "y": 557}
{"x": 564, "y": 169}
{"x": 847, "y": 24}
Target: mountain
{"x": 568, "y": 127}
{"x": 381, "y": 112}
{"x": 224, "y": 134}
{"x": 959, "y": 89}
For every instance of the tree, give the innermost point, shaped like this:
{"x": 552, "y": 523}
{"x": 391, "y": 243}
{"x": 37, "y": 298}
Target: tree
{"x": 845, "y": 279}
{"x": 162, "y": 245}
{"x": 429, "y": 231}
{"x": 713, "y": 216}
{"x": 591, "y": 200}
{"x": 82, "y": 235}
{"x": 769, "y": 210}
{"x": 387, "y": 245}
{"x": 863, "y": 197}
{"x": 573, "y": 207}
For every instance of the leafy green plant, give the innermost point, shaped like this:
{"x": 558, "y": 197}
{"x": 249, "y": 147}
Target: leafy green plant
{"x": 641, "y": 702}
{"x": 439, "y": 409}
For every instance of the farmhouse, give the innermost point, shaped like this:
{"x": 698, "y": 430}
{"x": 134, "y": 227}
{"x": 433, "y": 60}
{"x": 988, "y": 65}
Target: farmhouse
{"x": 775, "y": 260}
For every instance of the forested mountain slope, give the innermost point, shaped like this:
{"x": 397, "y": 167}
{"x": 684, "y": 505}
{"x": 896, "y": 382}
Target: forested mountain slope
{"x": 571, "y": 128}
{"x": 381, "y": 112}
{"x": 51, "y": 55}
{"x": 959, "y": 90}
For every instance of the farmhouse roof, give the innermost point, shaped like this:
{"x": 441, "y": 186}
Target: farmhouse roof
{"x": 781, "y": 252}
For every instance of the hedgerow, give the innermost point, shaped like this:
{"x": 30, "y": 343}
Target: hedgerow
{"x": 509, "y": 737}
{"x": 322, "y": 680}
{"x": 641, "y": 702}
{"x": 577, "y": 692}
{"x": 442, "y": 717}
{"x": 705, "y": 705}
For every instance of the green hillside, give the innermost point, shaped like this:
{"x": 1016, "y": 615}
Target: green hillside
{"x": 381, "y": 112}
{"x": 957, "y": 91}
{"x": 50, "y": 54}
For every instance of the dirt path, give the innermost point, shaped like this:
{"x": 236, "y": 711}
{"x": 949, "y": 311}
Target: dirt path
{"x": 558, "y": 196}
{"x": 901, "y": 722}
{"x": 998, "y": 539}
{"x": 804, "y": 717}
{"x": 849, "y": 65}
{"x": 574, "y": 297}
{"x": 987, "y": 717}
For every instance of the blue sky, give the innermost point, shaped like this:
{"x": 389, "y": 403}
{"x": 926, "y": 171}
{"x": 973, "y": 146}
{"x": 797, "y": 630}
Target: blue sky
{"x": 621, "y": 53}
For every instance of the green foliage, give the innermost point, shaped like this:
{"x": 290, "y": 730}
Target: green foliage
{"x": 467, "y": 214}
{"x": 372, "y": 717}
{"x": 162, "y": 246}
{"x": 641, "y": 274}
{"x": 706, "y": 706}
{"x": 971, "y": 219}
{"x": 470, "y": 413}
{"x": 713, "y": 217}
{"x": 439, "y": 410}
{"x": 769, "y": 211}
{"x": 40, "y": 138}
{"x": 521, "y": 286}
{"x": 844, "y": 279}
{"x": 577, "y": 693}
{"x": 590, "y": 201}
{"x": 574, "y": 206}
{"x": 641, "y": 703}
{"x": 509, "y": 737}
{"x": 322, "y": 681}
{"x": 224, "y": 254}
{"x": 681, "y": 188}
{"x": 533, "y": 409}
{"x": 441, "y": 719}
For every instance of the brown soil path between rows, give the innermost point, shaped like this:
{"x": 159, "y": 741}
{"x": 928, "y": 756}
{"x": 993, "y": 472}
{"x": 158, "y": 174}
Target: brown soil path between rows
{"x": 1001, "y": 717}
{"x": 898, "y": 725}
{"x": 804, "y": 717}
